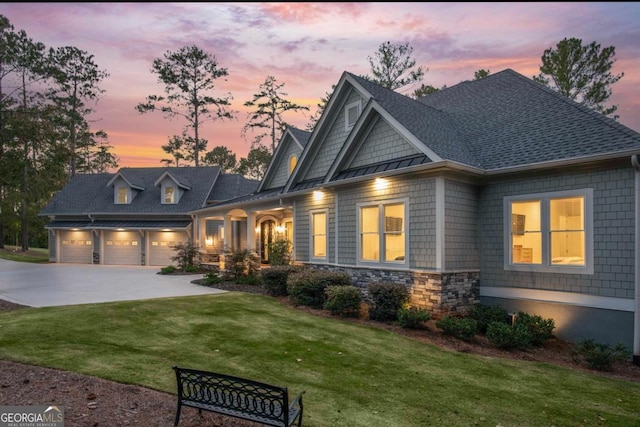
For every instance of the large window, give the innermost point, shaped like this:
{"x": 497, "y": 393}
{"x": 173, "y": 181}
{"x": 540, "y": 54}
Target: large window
{"x": 382, "y": 233}
{"x": 550, "y": 232}
{"x": 319, "y": 235}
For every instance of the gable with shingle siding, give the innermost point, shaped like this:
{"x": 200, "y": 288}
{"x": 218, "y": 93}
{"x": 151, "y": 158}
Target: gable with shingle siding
{"x": 281, "y": 174}
{"x": 332, "y": 144}
{"x": 382, "y": 144}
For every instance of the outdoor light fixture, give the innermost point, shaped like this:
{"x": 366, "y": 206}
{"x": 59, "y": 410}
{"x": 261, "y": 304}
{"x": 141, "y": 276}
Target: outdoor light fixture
{"x": 318, "y": 195}
{"x": 381, "y": 184}
{"x": 209, "y": 241}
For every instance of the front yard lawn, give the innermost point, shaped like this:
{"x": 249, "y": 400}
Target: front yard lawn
{"x": 35, "y": 255}
{"x": 353, "y": 375}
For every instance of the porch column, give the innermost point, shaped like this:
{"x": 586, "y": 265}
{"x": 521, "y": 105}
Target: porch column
{"x": 251, "y": 230}
{"x": 227, "y": 233}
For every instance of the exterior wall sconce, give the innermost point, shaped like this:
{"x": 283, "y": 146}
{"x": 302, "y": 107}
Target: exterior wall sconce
{"x": 381, "y": 184}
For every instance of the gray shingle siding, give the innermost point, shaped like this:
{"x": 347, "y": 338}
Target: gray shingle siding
{"x": 303, "y": 208}
{"x": 614, "y": 233}
{"x": 332, "y": 143}
{"x": 461, "y": 224}
{"x": 382, "y": 144}
{"x": 282, "y": 174}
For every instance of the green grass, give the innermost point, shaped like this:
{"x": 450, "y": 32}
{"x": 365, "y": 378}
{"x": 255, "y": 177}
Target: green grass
{"x": 353, "y": 375}
{"x": 35, "y": 255}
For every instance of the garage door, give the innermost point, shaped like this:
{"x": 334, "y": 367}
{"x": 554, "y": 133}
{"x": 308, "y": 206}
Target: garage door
{"x": 161, "y": 245}
{"x": 76, "y": 247}
{"x": 122, "y": 248}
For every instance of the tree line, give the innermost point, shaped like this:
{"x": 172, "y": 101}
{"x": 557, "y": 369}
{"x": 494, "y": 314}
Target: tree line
{"x": 46, "y": 97}
{"x": 48, "y": 94}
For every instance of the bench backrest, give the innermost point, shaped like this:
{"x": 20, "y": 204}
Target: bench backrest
{"x": 234, "y": 393}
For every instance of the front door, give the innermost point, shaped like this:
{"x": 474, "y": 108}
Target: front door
{"x": 267, "y": 236}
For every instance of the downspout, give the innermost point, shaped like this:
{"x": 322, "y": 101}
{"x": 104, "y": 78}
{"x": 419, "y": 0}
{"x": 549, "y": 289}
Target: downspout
{"x": 636, "y": 315}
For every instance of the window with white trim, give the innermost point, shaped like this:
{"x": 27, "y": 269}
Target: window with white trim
{"x": 381, "y": 227}
{"x": 319, "y": 235}
{"x": 550, "y": 232}
{"x": 169, "y": 195}
{"x": 122, "y": 195}
{"x": 351, "y": 114}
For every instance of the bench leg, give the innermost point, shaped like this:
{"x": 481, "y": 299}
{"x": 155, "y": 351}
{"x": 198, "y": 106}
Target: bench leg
{"x": 177, "y": 420}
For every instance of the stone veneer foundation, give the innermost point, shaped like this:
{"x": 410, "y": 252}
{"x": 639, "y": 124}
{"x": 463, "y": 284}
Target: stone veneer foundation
{"x": 439, "y": 292}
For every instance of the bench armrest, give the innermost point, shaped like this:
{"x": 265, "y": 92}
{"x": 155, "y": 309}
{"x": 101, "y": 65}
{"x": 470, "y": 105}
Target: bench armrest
{"x": 296, "y": 409}
{"x": 297, "y": 401}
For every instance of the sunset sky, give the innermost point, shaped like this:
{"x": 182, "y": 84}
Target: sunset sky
{"x": 307, "y": 46}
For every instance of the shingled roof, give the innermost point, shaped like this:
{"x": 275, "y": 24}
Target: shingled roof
{"x": 91, "y": 193}
{"x": 505, "y": 120}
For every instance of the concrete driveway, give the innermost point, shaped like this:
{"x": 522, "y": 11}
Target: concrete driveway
{"x": 43, "y": 285}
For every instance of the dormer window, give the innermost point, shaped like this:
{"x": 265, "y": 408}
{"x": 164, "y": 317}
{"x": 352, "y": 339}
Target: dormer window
{"x": 122, "y": 196}
{"x": 351, "y": 113}
{"x": 169, "y": 195}
{"x": 171, "y": 188}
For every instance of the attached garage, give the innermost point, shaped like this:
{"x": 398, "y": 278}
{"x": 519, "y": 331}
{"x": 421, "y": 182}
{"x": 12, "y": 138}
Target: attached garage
{"x": 134, "y": 216}
{"x": 76, "y": 246}
{"x": 161, "y": 245}
{"x": 122, "y": 248}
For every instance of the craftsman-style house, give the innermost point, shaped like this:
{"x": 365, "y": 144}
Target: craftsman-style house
{"x": 134, "y": 216}
{"x": 497, "y": 190}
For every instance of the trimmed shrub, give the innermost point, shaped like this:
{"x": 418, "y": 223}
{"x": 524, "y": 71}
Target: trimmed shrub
{"x": 413, "y": 317}
{"x": 386, "y": 299}
{"x": 485, "y": 314}
{"x": 308, "y": 287}
{"x": 508, "y": 337}
{"x": 186, "y": 256}
{"x": 599, "y": 356}
{"x": 242, "y": 263}
{"x": 211, "y": 278}
{"x": 168, "y": 269}
{"x": 540, "y": 330}
{"x": 343, "y": 300}
{"x": 191, "y": 269}
{"x": 274, "y": 279}
{"x": 462, "y": 328}
{"x": 253, "y": 280}
{"x": 280, "y": 252}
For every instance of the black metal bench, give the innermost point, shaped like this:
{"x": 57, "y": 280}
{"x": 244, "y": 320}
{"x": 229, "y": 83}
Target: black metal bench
{"x": 236, "y": 397}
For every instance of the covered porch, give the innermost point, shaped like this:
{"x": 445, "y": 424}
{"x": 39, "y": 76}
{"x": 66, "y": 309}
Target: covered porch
{"x": 225, "y": 229}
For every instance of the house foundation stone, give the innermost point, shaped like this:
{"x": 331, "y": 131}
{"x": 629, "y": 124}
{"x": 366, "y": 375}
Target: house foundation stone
{"x": 438, "y": 292}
